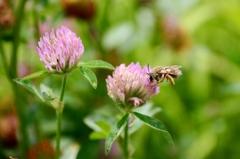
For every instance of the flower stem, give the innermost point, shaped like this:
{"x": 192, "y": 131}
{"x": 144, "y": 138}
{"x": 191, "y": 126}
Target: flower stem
{"x": 21, "y": 109}
{"x": 36, "y": 17}
{"x": 16, "y": 37}
{"x": 125, "y": 142}
{"x": 63, "y": 87}
{"x": 59, "y": 117}
{"x": 20, "y": 106}
{"x": 11, "y": 73}
{"x": 58, "y": 132}
{"x": 4, "y": 59}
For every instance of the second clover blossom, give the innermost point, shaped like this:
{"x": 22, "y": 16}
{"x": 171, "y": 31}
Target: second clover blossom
{"x": 130, "y": 86}
{"x": 60, "y": 50}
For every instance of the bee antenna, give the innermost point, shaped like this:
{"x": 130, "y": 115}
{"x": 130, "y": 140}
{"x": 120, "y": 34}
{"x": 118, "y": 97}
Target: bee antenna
{"x": 148, "y": 73}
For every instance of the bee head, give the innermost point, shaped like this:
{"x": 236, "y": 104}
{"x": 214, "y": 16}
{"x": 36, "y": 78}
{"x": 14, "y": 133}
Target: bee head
{"x": 151, "y": 77}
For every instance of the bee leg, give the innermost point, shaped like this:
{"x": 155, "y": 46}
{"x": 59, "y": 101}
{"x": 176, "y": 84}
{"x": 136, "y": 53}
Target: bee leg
{"x": 171, "y": 80}
{"x": 162, "y": 78}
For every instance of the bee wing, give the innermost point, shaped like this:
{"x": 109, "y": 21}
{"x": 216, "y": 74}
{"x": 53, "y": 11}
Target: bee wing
{"x": 167, "y": 69}
{"x": 157, "y": 68}
{"x": 174, "y": 71}
{"x": 175, "y": 66}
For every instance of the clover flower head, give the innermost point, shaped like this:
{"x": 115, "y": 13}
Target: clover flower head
{"x": 130, "y": 86}
{"x": 60, "y": 50}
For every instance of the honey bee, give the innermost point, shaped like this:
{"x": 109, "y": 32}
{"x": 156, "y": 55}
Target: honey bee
{"x": 159, "y": 73}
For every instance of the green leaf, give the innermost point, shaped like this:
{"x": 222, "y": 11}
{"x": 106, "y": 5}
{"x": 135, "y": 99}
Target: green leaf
{"x": 36, "y": 74}
{"x": 47, "y": 93}
{"x": 156, "y": 124}
{"x": 28, "y": 85}
{"x": 100, "y": 123}
{"x": 97, "y": 64}
{"x": 105, "y": 127}
{"x": 115, "y": 132}
{"x": 148, "y": 110}
{"x": 91, "y": 77}
{"x": 101, "y": 128}
{"x": 97, "y": 135}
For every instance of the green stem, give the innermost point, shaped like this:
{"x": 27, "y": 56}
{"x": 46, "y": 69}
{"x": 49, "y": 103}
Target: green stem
{"x": 59, "y": 117}
{"x": 58, "y": 132}
{"x": 21, "y": 109}
{"x": 4, "y": 59}
{"x": 12, "y": 73}
{"x": 16, "y": 37}
{"x": 36, "y": 17}
{"x": 19, "y": 104}
{"x": 63, "y": 87}
{"x": 125, "y": 142}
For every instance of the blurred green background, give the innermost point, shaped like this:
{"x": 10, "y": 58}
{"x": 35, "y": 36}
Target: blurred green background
{"x": 201, "y": 112}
